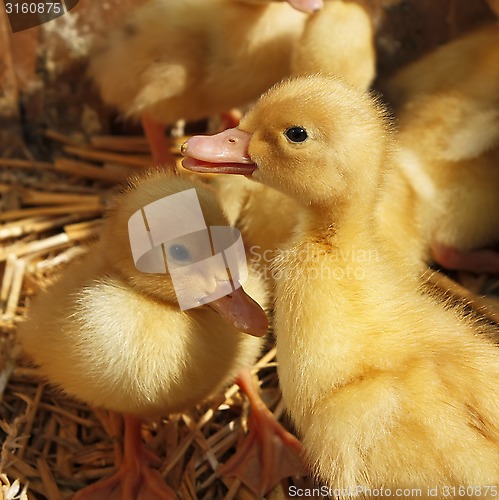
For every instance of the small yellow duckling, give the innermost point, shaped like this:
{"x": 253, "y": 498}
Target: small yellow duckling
{"x": 116, "y": 338}
{"x": 442, "y": 202}
{"x": 388, "y": 387}
{"x": 191, "y": 59}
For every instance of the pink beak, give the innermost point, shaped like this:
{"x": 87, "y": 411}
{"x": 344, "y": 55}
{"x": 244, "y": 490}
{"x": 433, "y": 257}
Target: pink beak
{"x": 240, "y": 310}
{"x": 223, "y": 153}
{"x": 307, "y": 6}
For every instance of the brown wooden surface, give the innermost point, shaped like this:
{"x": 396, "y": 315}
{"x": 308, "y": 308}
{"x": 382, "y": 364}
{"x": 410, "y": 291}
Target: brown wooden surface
{"x": 43, "y": 77}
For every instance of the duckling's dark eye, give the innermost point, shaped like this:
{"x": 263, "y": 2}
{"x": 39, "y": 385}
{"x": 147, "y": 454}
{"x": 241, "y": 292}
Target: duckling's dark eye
{"x": 296, "y": 134}
{"x": 179, "y": 252}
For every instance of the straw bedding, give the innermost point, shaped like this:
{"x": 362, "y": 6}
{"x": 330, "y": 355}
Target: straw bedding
{"x": 52, "y": 445}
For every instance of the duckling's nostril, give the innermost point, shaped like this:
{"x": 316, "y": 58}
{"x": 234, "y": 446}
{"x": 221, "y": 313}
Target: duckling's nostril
{"x": 232, "y": 140}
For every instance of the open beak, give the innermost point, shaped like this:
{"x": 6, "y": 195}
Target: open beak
{"x": 240, "y": 310}
{"x": 223, "y": 153}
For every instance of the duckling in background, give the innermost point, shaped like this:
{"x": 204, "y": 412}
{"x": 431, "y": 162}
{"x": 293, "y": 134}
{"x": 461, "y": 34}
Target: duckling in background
{"x": 467, "y": 64}
{"x": 442, "y": 203}
{"x": 338, "y": 41}
{"x": 190, "y": 59}
{"x": 266, "y": 218}
{"x": 116, "y": 338}
{"x": 387, "y": 386}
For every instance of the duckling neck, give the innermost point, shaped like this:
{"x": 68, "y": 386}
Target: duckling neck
{"x": 356, "y": 212}
{"x": 335, "y": 239}
{"x": 323, "y": 278}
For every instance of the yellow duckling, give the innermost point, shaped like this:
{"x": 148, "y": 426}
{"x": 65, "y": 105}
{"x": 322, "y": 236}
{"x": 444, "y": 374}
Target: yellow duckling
{"x": 388, "y": 387}
{"x": 191, "y": 59}
{"x": 116, "y": 338}
{"x": 442, "y": 202}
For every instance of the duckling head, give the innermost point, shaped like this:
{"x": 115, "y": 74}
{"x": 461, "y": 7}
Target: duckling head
{"x": 176, "y": 270}
{"x": 314, "y": 138}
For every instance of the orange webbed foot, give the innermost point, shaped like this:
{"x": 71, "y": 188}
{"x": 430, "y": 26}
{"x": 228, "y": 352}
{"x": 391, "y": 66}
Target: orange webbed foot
{"x": 158, "y": 142}
{"x": 269, "y": 453}
{"x": 134, "y": 479}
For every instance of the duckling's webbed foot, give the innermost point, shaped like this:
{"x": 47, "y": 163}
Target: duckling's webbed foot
{"x": 158, "y": 142}
{"x": 134, "y": 480}
{"x": 477, "y": 261}
{"x": 269, "y": 453}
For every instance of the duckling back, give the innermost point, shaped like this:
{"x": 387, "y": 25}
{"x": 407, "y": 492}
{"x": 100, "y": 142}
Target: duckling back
{"x": 338, "y": 41}
{"x": 467, "y": 64}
